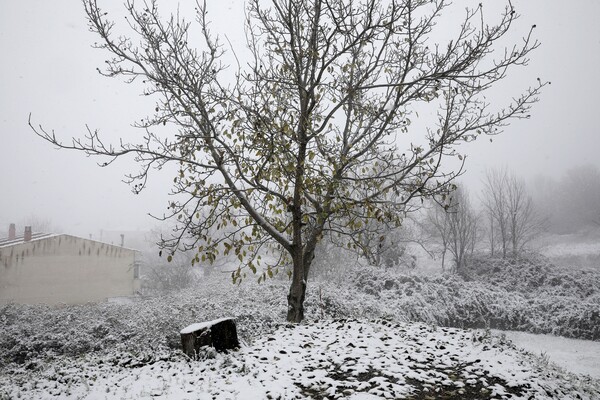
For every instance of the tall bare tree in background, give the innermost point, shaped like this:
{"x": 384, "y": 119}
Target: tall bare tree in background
{"x": 496, "y": 210}
{"x": 513, "y": 220}
{"x": 311, "y": 134}
{"x": 435, "y": 223}
{"x": 455, "y": 225}
{"x": 388, "y": 247}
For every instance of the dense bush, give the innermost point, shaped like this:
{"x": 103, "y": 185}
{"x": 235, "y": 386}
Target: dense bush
{"x": 535, "y": 275}
{"x": 525, "y": 295}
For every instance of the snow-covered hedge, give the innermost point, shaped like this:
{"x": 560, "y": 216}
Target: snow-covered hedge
{"x": 524, "y": 295}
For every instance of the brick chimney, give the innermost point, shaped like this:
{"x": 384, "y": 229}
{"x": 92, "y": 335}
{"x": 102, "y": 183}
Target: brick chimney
{"x": 27, "y": 237}
{"x": 12, "y": 232}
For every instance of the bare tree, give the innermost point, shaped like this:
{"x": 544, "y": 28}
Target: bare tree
{"x": 524, "y": 222}
{"x": 387, "y": 246}
{"x": 281, "y": 145}
{"x": 513, "y": 218}
{"x": 455, "y": 225}
{"x": 494, "y": 202}
{"x": 437, "y": 225}
{"x": 462, "y": 227}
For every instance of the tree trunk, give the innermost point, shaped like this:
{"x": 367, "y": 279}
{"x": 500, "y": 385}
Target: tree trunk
{"x": 492, "y": 238}
{"x": 504, "y": 241}
{"x": 514, "y": 240}
{"x": 301, "y": 268}
{"x": 443, "y": 257}
{"x": 296, "y": 301}
{"x": 297, "y": 289}
{"x": 296, "y": 295}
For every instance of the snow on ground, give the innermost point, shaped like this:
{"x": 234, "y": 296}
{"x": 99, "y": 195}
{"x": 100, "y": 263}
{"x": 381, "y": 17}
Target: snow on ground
{"x": 574, "y": 355}
{"x": 128, "y": 350}
{"x": 330, "y": 359}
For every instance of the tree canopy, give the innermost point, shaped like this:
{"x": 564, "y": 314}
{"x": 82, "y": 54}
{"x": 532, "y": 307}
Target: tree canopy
{"x": 313, "y": 133}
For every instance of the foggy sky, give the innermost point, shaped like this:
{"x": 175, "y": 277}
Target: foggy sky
{"x": 49, "y": 69}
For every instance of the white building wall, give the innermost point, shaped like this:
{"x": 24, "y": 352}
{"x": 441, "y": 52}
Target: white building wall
{"x": 65, "y": 269}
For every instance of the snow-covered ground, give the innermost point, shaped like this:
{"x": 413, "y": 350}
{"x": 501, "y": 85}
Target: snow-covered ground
{"x": 333, "y": 359}
{"x": 356, "y": 343}
{"x": 574, "y": 355}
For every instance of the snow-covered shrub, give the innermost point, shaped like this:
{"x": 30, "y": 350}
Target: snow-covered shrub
{"x": 525, "y": 295}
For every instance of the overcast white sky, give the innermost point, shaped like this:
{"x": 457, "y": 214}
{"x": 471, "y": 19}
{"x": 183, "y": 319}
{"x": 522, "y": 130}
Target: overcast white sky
{"x": 49, "y": 69}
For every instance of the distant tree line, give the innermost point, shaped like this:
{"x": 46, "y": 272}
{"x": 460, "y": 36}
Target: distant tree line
{"x": 512, "y": 214}
{"x": 504, "y": 225}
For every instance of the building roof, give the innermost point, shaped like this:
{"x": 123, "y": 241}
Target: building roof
{"x": 6, "y": 242}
